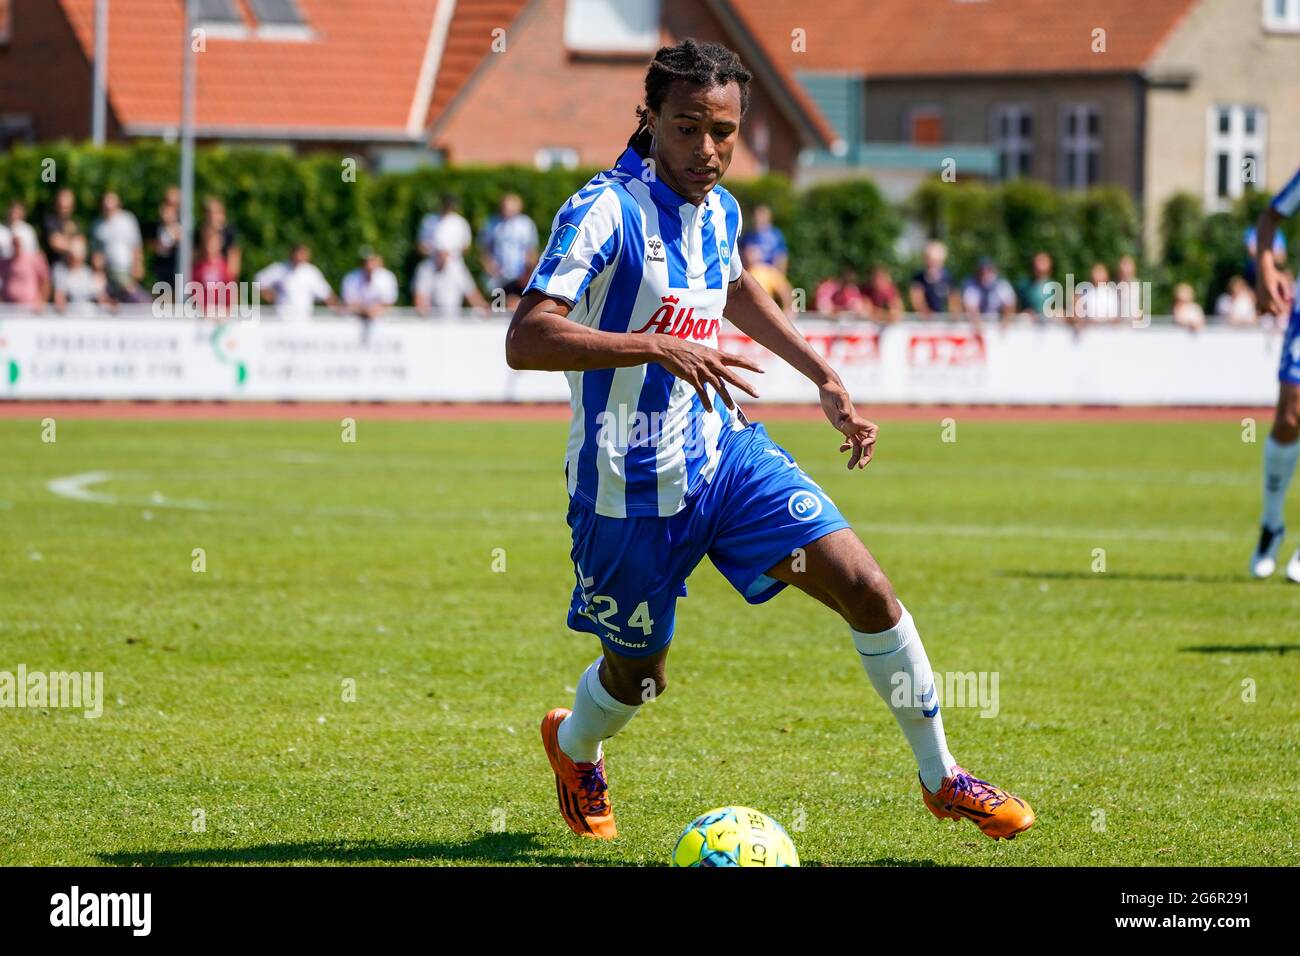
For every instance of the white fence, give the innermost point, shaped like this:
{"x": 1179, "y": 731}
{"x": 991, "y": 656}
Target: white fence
{"x": 402, "y": 359}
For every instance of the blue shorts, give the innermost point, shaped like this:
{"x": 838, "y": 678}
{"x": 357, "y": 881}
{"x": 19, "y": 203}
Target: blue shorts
{"x": 1289, "y": 369}
{"x": 759, "y": 507}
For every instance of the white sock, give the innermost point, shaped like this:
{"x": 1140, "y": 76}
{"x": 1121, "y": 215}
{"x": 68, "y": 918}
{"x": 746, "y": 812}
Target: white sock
{"x": 886, "y": 657}
{"x": 596, "y": 716}
{"x": 1279, "y": 466}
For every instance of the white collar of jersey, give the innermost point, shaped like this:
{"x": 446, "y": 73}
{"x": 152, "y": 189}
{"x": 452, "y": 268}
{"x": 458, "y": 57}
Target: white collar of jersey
{"x": 634, "y": 164}
{"x": 693, "y": 216}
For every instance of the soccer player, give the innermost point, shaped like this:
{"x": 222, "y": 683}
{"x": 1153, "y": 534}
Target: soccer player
{"x": 1276, "y": 293}
{"x": 664, "y": 468}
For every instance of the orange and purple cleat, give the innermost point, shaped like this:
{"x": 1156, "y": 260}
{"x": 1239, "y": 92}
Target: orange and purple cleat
{"x": 996, "y": 812}
{"x": 581, "y": 787}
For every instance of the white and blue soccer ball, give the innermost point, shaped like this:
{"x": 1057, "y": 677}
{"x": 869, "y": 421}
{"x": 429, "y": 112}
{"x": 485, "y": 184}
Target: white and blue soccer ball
{"x": 734, "y": 836}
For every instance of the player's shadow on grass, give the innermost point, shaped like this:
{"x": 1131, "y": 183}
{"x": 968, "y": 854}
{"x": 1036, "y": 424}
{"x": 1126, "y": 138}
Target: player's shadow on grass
{"x": 1278, "y": 649}
{"x": 1126, "y": 576}
{"x": 485, "y": 849}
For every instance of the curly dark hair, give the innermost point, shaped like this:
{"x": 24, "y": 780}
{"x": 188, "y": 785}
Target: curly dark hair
{"x": 690, "y": 61}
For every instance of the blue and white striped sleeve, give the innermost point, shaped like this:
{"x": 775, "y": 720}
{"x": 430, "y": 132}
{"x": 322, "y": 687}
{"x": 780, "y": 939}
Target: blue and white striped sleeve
{"x": 1287, "y": 202}
{"x": 585, "y": 241}
{"x": 733, "y": 218}
{"x": 737, "y": 266}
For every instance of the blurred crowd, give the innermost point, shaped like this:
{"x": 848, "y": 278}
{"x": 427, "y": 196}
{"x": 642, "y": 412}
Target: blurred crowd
{"x": 1102, "y": 296}
{"x": 98, "y": 271}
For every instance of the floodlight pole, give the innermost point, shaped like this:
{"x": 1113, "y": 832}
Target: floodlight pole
{"x": 185, "y": 252}
{"x": 99, "y": 94}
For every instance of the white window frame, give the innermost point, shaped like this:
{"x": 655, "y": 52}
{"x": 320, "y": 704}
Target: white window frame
{"x": 235, "y": 29}
{"x": 1287, "y": 22}
{"x": 1080, "y": 144}
{"x": 1236, "y": 144}
{"x": 556, "y": 157}
{"x": 581, "y": 37}
{"x": 1013, "y": 145}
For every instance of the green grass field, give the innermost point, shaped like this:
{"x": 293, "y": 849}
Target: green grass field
{"x": 1121, "y": 713}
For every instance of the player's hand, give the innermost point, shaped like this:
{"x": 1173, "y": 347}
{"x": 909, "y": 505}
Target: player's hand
{"x": 859, "y": 434}
{"x": 700, "y": 366}
{"x": 1274, "y": 292}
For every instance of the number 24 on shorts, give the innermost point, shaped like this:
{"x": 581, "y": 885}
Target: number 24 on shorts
{"x": 640, "y": 617}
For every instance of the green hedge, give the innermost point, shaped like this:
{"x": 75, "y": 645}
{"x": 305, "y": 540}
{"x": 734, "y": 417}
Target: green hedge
{"x": 1012, "y": 221}
{"x": 275, "y": 198}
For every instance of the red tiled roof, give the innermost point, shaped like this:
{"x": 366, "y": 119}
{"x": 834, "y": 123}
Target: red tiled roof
{"x": 801, "y": 103}
{"x": 358, "y": 73}
{"x": 965, "y": 37}
{"x": 469, "y": 39}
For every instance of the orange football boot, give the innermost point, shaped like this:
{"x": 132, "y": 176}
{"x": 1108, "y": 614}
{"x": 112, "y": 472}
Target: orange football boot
{"x": 996, "y": 812}
{"x": 581, "y": 787}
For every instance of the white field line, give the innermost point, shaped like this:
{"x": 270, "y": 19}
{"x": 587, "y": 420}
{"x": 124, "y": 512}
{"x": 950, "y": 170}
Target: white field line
{"x": 77, "y": 488}
{"x": 1133, "y": 476}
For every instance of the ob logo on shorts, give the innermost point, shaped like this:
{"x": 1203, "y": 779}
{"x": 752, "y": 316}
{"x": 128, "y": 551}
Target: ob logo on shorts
{"x": 804, "y": 506}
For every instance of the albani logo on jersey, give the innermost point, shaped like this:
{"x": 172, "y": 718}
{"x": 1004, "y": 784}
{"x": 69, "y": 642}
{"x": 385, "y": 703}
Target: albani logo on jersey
{"x": 670, "y": 319}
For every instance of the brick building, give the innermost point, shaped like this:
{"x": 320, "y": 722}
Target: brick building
{"x": 400, "y": 82}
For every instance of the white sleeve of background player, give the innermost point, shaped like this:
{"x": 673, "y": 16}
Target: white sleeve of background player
{"x": 1287, "y": 202}
{"x": 585, "y": 240}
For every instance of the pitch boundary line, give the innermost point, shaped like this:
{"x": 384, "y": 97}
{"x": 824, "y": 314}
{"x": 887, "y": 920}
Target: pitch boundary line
{"x": 77, "y": 488}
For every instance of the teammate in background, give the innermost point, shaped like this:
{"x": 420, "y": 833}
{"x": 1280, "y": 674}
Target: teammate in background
{"x": 663, "y": 467}
{"x": 1276, "y": 293}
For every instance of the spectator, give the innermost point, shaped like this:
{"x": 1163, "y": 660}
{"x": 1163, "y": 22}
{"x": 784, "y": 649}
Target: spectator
{"x": 772, "y": 279}
{"x": 25, "y": 276}
{"x": 1129, "y": 289}
{"x": 371, "y": 289}
{"x": 767, "y": 239}
{"x": 166, "y": 241}
{"x": 1237, "y": 304}
{"x": 1036, "y": 293}
{"x": 442, "y": 285}
{"x": 60, "y": 226}
{"x": 117, "y": 249}
{"x": 1187, "y": 312}
{"x": 214, "y": 219}
{"x": 295, "y": 286}
{"x": 78, "y": 287}
{"x": 1097, "y": 300}
{"x": 881, "y": 297}
{"x": 987, "y": 294}
{"x": 211, "y": 270}
{"x": 446, "y": 229}
{"x": 840, "y": 298}
{"x": 17, "y": 226}
{"x": 508, "y": 249}
{"x": 931, "y": 290}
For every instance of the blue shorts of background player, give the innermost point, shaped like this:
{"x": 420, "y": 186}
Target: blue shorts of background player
{"x": 759, "y": 507}
{"x": 1289, "y": 369}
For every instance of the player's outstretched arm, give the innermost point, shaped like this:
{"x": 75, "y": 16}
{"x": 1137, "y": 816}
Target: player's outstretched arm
{"x": 1273, "y": 290}
{"x": 752, "y": 310}
{"x": 541, "y": 336}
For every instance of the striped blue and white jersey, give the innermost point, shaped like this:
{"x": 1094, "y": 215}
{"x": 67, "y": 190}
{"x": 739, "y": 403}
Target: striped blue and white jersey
{"x": 1287, "y": 201}
{"x": 629, "y": 254}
